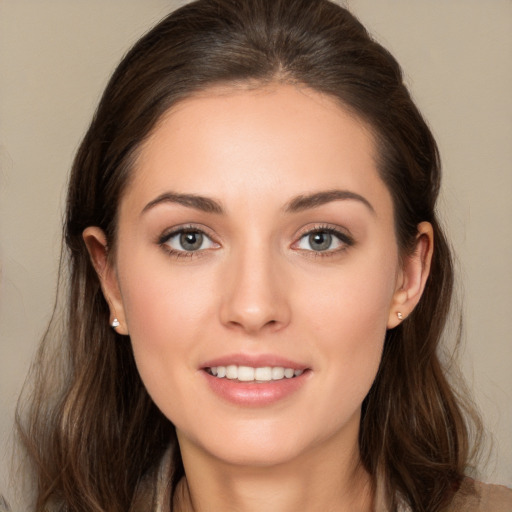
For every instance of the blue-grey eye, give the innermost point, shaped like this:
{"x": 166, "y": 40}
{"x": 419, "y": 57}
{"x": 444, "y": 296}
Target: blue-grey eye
{"x": 320, "y": 241}
{"x": 189, "y": 241}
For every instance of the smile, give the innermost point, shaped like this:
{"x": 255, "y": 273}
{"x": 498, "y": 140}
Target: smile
{"x": 250, "y": 374}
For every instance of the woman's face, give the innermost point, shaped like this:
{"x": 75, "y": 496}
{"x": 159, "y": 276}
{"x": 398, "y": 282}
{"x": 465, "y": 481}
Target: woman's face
{"x": 256, "y": 233}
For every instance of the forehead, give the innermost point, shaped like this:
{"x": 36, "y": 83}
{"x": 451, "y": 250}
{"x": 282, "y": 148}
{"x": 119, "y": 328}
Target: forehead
{"x": 276, "y": 140}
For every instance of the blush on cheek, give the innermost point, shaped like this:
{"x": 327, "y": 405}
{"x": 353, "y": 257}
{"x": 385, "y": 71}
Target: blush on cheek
{"x": 157, "y": 305}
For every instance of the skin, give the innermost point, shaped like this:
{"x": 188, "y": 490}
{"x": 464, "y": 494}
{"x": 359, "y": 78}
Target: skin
{"x": 258, "y": 286}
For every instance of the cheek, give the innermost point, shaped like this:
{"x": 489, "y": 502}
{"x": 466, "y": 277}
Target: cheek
{"x": 352, "y": 302}
{"x": 353, "y": 339}
{"x": 348, "y": 315}
{"x": 165, "y": 314}
{"x": 162, "y": 302}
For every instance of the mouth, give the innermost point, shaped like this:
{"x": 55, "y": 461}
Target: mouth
{"x": 255, "y": 381}
{"x": 258, "y": 375}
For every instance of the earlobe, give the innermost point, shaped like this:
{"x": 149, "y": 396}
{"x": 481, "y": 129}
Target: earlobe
{"x": 413, "y": 276}
{"x": 97, "y": 246}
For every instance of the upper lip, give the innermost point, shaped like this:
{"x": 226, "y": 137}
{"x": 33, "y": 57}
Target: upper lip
{"x": 254, "y": 361}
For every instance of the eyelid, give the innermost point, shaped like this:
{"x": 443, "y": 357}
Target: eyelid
{"x": 184, "y": 228}
{"x": 169, "y": 233}
{"x": 341, "y": 233}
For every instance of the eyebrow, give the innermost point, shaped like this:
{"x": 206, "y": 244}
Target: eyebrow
{"x": 204, "y": 204}
{"x": 316, "y": 199}
{"x": 297, "y": 204}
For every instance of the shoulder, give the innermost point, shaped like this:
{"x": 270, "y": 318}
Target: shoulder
{"x": 474, "y": 496}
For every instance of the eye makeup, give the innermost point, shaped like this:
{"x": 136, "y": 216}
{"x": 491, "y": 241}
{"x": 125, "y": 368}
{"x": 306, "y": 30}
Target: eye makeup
{"x": 324, "y": 240}
{"x": 192, "y": 239}
{"x": 320, "y": 240}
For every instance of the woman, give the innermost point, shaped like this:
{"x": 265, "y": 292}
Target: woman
{"x": 258, "y": 281}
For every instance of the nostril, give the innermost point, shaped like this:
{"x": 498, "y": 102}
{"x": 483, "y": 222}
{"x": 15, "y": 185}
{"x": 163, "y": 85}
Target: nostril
{"x": 255, "y": 324}
{"x": 253, "y": 306}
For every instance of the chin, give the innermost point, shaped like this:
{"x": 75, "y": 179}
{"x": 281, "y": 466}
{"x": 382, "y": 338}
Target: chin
{"x": 266, "y": 444}
{"x": 257, "y": 454}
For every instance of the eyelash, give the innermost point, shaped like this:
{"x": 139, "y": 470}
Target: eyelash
{"x": 343, "y": 237}
{"x": 165, "y": 237}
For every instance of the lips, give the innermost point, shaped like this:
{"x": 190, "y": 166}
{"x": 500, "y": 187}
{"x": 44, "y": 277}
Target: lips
{"x": 255, "y": 381}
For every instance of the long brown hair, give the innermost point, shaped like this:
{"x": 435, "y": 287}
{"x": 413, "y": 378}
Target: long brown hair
{"x": 91, "y": 431}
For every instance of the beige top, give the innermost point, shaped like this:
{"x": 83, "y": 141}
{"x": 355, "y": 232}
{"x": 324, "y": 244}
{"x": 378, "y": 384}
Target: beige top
{"x": 476, "y": 496}
{"x": 472, "y": 496}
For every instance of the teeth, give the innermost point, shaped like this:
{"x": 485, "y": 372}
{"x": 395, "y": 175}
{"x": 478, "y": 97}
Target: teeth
{"x": 277, "y": 373}
{"x": 245, "y": 373}
{"x": 264, "y": 374}
{"x": 250, "y": 374}
{"x": 231, "y": 372}
{"x": 288, "y": 373}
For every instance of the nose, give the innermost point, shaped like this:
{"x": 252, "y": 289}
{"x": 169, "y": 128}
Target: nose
{"x": 254, "y": 294}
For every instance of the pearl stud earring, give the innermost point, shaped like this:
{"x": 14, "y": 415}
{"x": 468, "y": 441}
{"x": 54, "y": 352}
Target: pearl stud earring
{"x": 400, "y": 316}
{"x": 115, "y": 323}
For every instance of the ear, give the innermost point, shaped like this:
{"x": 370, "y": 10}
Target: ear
{"x": 412, "y": 276}
{"x": 96, "y": 243}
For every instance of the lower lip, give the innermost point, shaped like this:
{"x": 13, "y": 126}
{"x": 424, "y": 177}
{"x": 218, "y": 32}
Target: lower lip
{"x": 252, "y": 394}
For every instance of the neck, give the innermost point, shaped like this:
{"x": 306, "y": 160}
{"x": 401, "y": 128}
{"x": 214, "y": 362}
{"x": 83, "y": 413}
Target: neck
{"x": 314, "y": 481}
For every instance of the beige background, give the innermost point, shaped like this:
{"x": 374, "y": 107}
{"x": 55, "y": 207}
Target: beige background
{"x": 55, "y": 58}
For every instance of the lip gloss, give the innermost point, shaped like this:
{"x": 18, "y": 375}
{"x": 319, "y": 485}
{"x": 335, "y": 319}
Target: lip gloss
{"x": 252, "y": 393}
